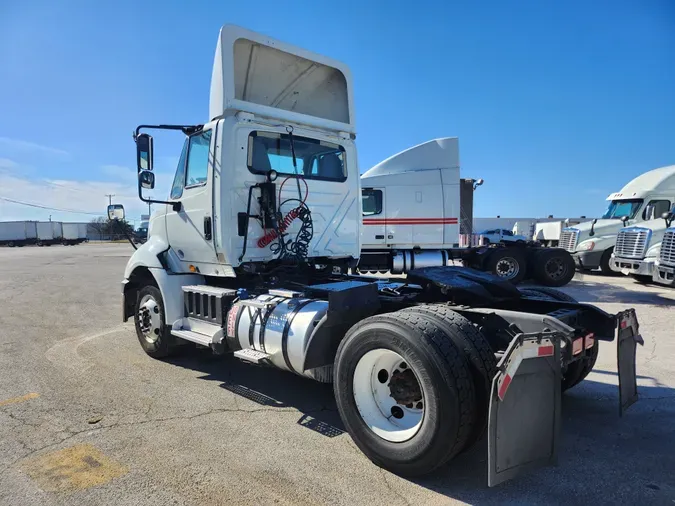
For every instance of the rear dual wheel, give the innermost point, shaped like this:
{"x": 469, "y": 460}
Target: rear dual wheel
{"x": 406, "y": 392}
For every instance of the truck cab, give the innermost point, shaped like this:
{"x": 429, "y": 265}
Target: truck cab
{"x": 644, "y": 198}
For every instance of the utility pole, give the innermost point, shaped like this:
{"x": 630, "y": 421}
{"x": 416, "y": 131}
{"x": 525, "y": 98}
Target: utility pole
{"x": 110, "y": 196}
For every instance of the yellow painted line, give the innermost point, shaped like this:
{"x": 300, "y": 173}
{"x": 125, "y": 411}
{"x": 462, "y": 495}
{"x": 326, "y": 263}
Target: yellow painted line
{"x": 74, "y": 468}
{"x": 23, "y": 398}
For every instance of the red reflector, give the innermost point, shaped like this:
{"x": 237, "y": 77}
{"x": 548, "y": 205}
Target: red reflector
{"x": 590, "y": 341}
{"x": 577, "y": 346}
{"x": 504, "y": 387}
{"x": 624, "y": 324}
{"x": 545, "y": 351}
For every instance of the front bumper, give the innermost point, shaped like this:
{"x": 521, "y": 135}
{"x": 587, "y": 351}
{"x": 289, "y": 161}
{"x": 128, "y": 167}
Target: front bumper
{"x": 664, "y": 275}
{"x": 632, "y": 266}
{"x": 587, "y": 259}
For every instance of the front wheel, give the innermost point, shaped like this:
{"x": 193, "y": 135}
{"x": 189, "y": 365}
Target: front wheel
{"x": 404, "y": 393}
{"x": 151, "y": 328}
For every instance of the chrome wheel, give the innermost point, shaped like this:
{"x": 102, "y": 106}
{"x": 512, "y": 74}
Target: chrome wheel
{"x": 507, "y": 268}
{"x": 388, "y": 395}
{"x": 149, "y": 319}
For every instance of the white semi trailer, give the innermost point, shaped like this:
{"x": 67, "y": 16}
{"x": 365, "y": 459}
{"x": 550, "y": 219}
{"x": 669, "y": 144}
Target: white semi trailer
{"x": 73, "y": 233}
{"x": 248, "y": 256}
{"x": 644, "y": 198}
{"x": 18, "y": 233}
{"x": 414, "y": 204}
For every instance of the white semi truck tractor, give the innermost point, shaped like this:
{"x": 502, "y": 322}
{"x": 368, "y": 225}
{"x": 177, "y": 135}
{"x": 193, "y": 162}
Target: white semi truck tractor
{"x": 248, "y": 257}
{"x": 637, "y": 248}
{"x": 646, "y": 197}
{"x": 664, "y": 267}
{"x": 414, "y": 204}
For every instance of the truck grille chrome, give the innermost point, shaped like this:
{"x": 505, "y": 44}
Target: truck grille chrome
{"x": 632, "y": 242}
{"x": 568, "y": 239}
{"x": 667, "y": 255}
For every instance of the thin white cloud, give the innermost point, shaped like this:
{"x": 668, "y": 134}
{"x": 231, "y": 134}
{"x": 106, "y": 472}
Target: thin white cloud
{"x": 21, "y": 145}
{"x": 6, "y": 163}
{"x": 86, "y": 196}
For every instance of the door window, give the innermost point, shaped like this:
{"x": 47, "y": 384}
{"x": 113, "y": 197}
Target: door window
{"x": 197, "y": 170}
{"x": 371, "y": 201}
{"x": 179, "y": 178}
{"x": 655, "y": 209}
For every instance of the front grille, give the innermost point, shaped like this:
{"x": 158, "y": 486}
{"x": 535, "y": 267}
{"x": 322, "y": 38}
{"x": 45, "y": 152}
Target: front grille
{"x": 568, "y": 239}
{"x": 667, "y": 255}
{"x": 632, "y": 242}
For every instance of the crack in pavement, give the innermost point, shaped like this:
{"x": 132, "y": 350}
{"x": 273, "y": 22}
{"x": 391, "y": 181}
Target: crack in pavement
{"x": 391, "y": 488}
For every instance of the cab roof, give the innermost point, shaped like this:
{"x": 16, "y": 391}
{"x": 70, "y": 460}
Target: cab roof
{"x": 661, "y": 179}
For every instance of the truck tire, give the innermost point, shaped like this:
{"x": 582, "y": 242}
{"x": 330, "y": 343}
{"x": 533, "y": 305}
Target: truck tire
{"x": 553, "y": 267}
{"x": 604, "y": 262}
{"x": 400, "y": 366}
{"x": 507, "y": 263}
{"x": 11, "y": 244}
{"x": 577, "y": 371}
{"x": 151, "y": 329}
{"x": 479, "y": 355}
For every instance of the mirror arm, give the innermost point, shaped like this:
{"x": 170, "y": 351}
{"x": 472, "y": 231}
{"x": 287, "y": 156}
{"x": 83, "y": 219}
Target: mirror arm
{"x": 176, "y": 206}
{"x": 186, "y": 129}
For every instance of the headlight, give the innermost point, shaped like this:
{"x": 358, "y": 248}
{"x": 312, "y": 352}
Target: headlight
{"x": 586, "y": 246}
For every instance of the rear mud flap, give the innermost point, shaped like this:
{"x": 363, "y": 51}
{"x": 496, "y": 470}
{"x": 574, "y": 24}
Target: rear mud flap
{"x": 627, "y": 338}
{"x": 524, "y": 420}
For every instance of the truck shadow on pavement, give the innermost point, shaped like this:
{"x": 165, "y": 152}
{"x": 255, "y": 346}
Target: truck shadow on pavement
{"x": 270, "y": 387}
{"x": 634, "y": 455}
{"x": 601, "y": 292}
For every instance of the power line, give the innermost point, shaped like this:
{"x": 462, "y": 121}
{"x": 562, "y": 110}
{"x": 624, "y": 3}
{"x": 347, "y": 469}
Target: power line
{"x": 29, "y": 204}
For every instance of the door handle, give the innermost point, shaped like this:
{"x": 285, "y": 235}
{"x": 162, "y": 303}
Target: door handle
{"x": 379, "y": 237}
{"x": 207, "y": 228}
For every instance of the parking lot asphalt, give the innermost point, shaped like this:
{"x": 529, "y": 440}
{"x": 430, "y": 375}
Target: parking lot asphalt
{"x": 87, "y": 418}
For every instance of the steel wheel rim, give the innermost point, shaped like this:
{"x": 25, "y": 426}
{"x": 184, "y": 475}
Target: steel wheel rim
{"x": 507, "y": 267}
{"x": 558, "y": 270}
{"x": 149, "y": 320}
{"x": 379, "y": 377}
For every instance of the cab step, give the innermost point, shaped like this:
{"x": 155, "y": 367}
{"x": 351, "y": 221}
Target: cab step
{"x": 195, "y": 337}
{"x": 251, "y": 355}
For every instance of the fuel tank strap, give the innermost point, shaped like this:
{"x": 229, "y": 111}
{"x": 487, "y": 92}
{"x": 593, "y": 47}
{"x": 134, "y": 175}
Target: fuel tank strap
{"x": 287, "y": 328}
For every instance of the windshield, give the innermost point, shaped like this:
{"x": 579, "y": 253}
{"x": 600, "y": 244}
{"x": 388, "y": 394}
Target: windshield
{"x": 620, "y": 208}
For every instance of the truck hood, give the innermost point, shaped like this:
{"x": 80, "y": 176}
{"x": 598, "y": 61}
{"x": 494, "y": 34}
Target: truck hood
{"x": 601, "y": 228}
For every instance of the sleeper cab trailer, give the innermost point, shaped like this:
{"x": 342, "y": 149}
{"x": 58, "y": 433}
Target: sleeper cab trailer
{"x": 421, "y": 367}
{"x": 414, "y": 208}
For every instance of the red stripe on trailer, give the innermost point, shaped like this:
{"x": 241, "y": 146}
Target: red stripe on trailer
{"x": 504, "y": 386}
{"x": 545, "y": 351}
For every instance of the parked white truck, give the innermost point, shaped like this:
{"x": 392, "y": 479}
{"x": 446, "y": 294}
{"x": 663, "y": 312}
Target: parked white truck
{"x": 664, "y": 266}
{"x": 414, "y": 204}
{"x": 18, "y": 233}
{"x": 248, "y": 257}
{"x": 646, "y": 197}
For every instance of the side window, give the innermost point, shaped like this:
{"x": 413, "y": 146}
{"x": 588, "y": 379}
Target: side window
{"x": 655, "y": 209}
{"x": 371, "y": 201}
{"x": 197, "y": 169}
{"x": 179, "y": 178}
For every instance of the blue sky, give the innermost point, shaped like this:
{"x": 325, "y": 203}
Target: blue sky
{"x": 556, "y": 104}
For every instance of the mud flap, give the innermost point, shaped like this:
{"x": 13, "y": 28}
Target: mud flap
{"x": 627, "y": 338}
{"x": 524, "y": 420}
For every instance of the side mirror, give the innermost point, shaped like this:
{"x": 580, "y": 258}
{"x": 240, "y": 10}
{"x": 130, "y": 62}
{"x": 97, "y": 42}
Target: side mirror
{"x": 669, "y": 217}
{"x": 116, "y": 212}
{"x": 144, "y": 152}
{"x": 146, "y": 179}
{"x": 624, "y": 219}
{"x": 592, "y": 232}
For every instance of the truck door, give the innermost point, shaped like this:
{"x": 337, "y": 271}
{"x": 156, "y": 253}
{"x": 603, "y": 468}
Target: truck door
{"x": 374, "y": 217}
{"x": 191, "y": 230}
